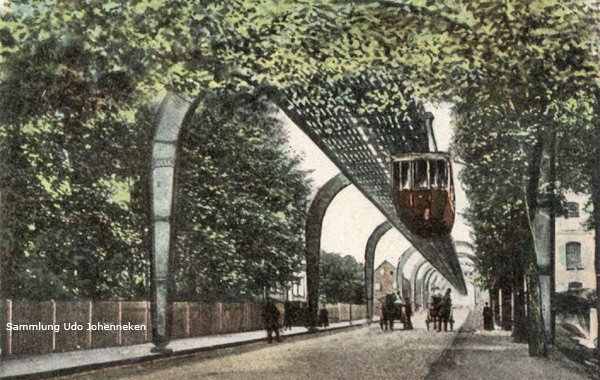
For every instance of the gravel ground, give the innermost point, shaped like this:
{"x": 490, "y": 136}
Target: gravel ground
{"x": 493, "y": 355}
{"x": 364, "y": 353}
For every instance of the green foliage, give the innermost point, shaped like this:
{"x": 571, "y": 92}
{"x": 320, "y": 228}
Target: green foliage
{"x": 75, "y": 130}
{"x": 241, "y": 204}
{"x": 77, "y": 77}
{"x": 69, "y": 158}
{"x": 341, "y": 279}
{"x": 529, "y": 89}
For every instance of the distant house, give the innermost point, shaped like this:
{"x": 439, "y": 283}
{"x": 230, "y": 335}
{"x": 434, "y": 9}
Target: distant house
{"x": 384, "y": 280}
{"x": 574, "y": 257}
{"x": 293, "y": 291}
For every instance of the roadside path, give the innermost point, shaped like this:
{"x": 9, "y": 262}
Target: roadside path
{"x": 477, "y": 355}
{"x": 61, "y": 363}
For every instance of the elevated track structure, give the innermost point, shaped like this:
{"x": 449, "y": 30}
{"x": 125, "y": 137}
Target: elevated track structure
{"x": 361, "y": 145}
{"x": 357, "y": 121}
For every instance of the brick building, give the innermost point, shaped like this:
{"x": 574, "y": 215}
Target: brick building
{"x": 384, "y": 280}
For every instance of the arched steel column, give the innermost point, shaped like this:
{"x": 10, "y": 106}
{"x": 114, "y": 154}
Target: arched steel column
{"x": 425, "y": 285}
{"x": 377, "y": 234}
{"x": 413, "y": 280}
{"x": 467, "y": 263}
{"x": 441, "y": 283}
{"x": 173, "y": 113}
{"x": 469, "y": 256}
{"x": 406, "y": 255}
{"x": 435, "y": 281}
{"x": 460, "y": 243}
{"x": 314, "y": 223}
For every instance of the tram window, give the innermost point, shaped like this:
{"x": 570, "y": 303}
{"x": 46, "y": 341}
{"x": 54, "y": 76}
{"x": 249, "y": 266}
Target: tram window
{"x": 405, "y": 175}
{"x": 438, "y": 174}
{"x": 420, "y": 174}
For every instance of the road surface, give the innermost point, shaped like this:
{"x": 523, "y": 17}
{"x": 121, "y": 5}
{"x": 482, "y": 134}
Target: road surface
{"x": 362, "y": 353}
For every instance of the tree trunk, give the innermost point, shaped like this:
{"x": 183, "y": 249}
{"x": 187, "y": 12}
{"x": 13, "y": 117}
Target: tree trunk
{"x": 495, "y": 301}
{"x": 544, "y": 236}
{"x": 596, "y": 202}
{"x": 535, "y": 323}
{"x": 506, "y": 307}
{"x": 519, "y": 332}
{"x": 535, "y": 331}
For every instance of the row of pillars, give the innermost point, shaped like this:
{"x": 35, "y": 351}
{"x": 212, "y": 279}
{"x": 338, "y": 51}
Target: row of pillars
{"x": 173, "y": 114}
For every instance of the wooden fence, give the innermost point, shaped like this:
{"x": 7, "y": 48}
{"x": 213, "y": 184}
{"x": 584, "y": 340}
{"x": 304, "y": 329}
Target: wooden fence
{"x": 190, "y": 319}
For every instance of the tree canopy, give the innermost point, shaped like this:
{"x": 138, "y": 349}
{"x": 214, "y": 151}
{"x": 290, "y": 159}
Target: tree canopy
{"x": 341, "y": 279}
{"x": 78, "y": 79}
{"x": 242, "y": 203}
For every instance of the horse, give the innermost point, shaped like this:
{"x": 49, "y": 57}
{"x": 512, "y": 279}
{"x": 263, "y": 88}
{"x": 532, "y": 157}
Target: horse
{"x": 434, "y": 312}
{"x": 390, "y": 312}
{"x": 445, "y": 313}
{"x": 439, "y": 313}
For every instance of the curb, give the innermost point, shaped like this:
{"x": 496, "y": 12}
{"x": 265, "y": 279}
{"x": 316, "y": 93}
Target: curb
{"x": 156, "y": 356}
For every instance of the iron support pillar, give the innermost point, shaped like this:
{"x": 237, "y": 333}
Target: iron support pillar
{"x": 172, "y": 113}
{"x": 377, "y": 234}
{"x": 314, "y": 224}
{"x": 425, "y": 291}
{"x": 413, "y": 281}
{"x": 406, "y": 255}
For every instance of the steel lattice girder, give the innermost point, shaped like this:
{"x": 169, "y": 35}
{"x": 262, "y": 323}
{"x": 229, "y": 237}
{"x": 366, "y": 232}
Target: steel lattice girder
{"x": 361, "y": 144}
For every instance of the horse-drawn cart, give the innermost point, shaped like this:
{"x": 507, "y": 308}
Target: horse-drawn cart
{"x": 392, "y": 311}
{"x": 438, "y": 312}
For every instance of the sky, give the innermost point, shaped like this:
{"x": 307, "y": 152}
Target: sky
{"x": 351, "y": 218}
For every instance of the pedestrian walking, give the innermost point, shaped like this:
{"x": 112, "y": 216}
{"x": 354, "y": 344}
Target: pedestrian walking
{"x": 407, "y": 314}
{"x": 271, "y": 315}
{"x": 323, "y": 320}
{"x": 445, "y": 310}
{"x": 488, "y": 318}
{"x": 382, "y": 318}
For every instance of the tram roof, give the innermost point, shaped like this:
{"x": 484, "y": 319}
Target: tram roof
{"x": 361, "y": 144}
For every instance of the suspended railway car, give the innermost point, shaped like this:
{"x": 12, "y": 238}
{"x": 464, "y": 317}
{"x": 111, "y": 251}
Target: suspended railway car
{"x": 424, "y": 192}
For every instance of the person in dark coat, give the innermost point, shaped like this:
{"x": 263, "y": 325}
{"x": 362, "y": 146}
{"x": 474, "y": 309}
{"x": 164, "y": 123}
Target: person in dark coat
{"x": 383, "y": 315}
{"x": 271, "y": 315}
{"x": 408, "y": 314}
{"x": 445, "y": 310}
{"x": 323, "y": 317}
{"x": 390, "y": 310}
{"x": 488, "y": 318}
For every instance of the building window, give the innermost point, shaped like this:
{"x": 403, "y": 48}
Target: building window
{"x": 575, "y": 285}
{"x": 301, "y": 287}
{"x": 573, "y": 256}
{"x": 382, "y": 271}
{"x": 297, "y": 289}
{"x": 573, "y": 209}
{"x": 378, "y": 286}
{"x": 391, "y": 272}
